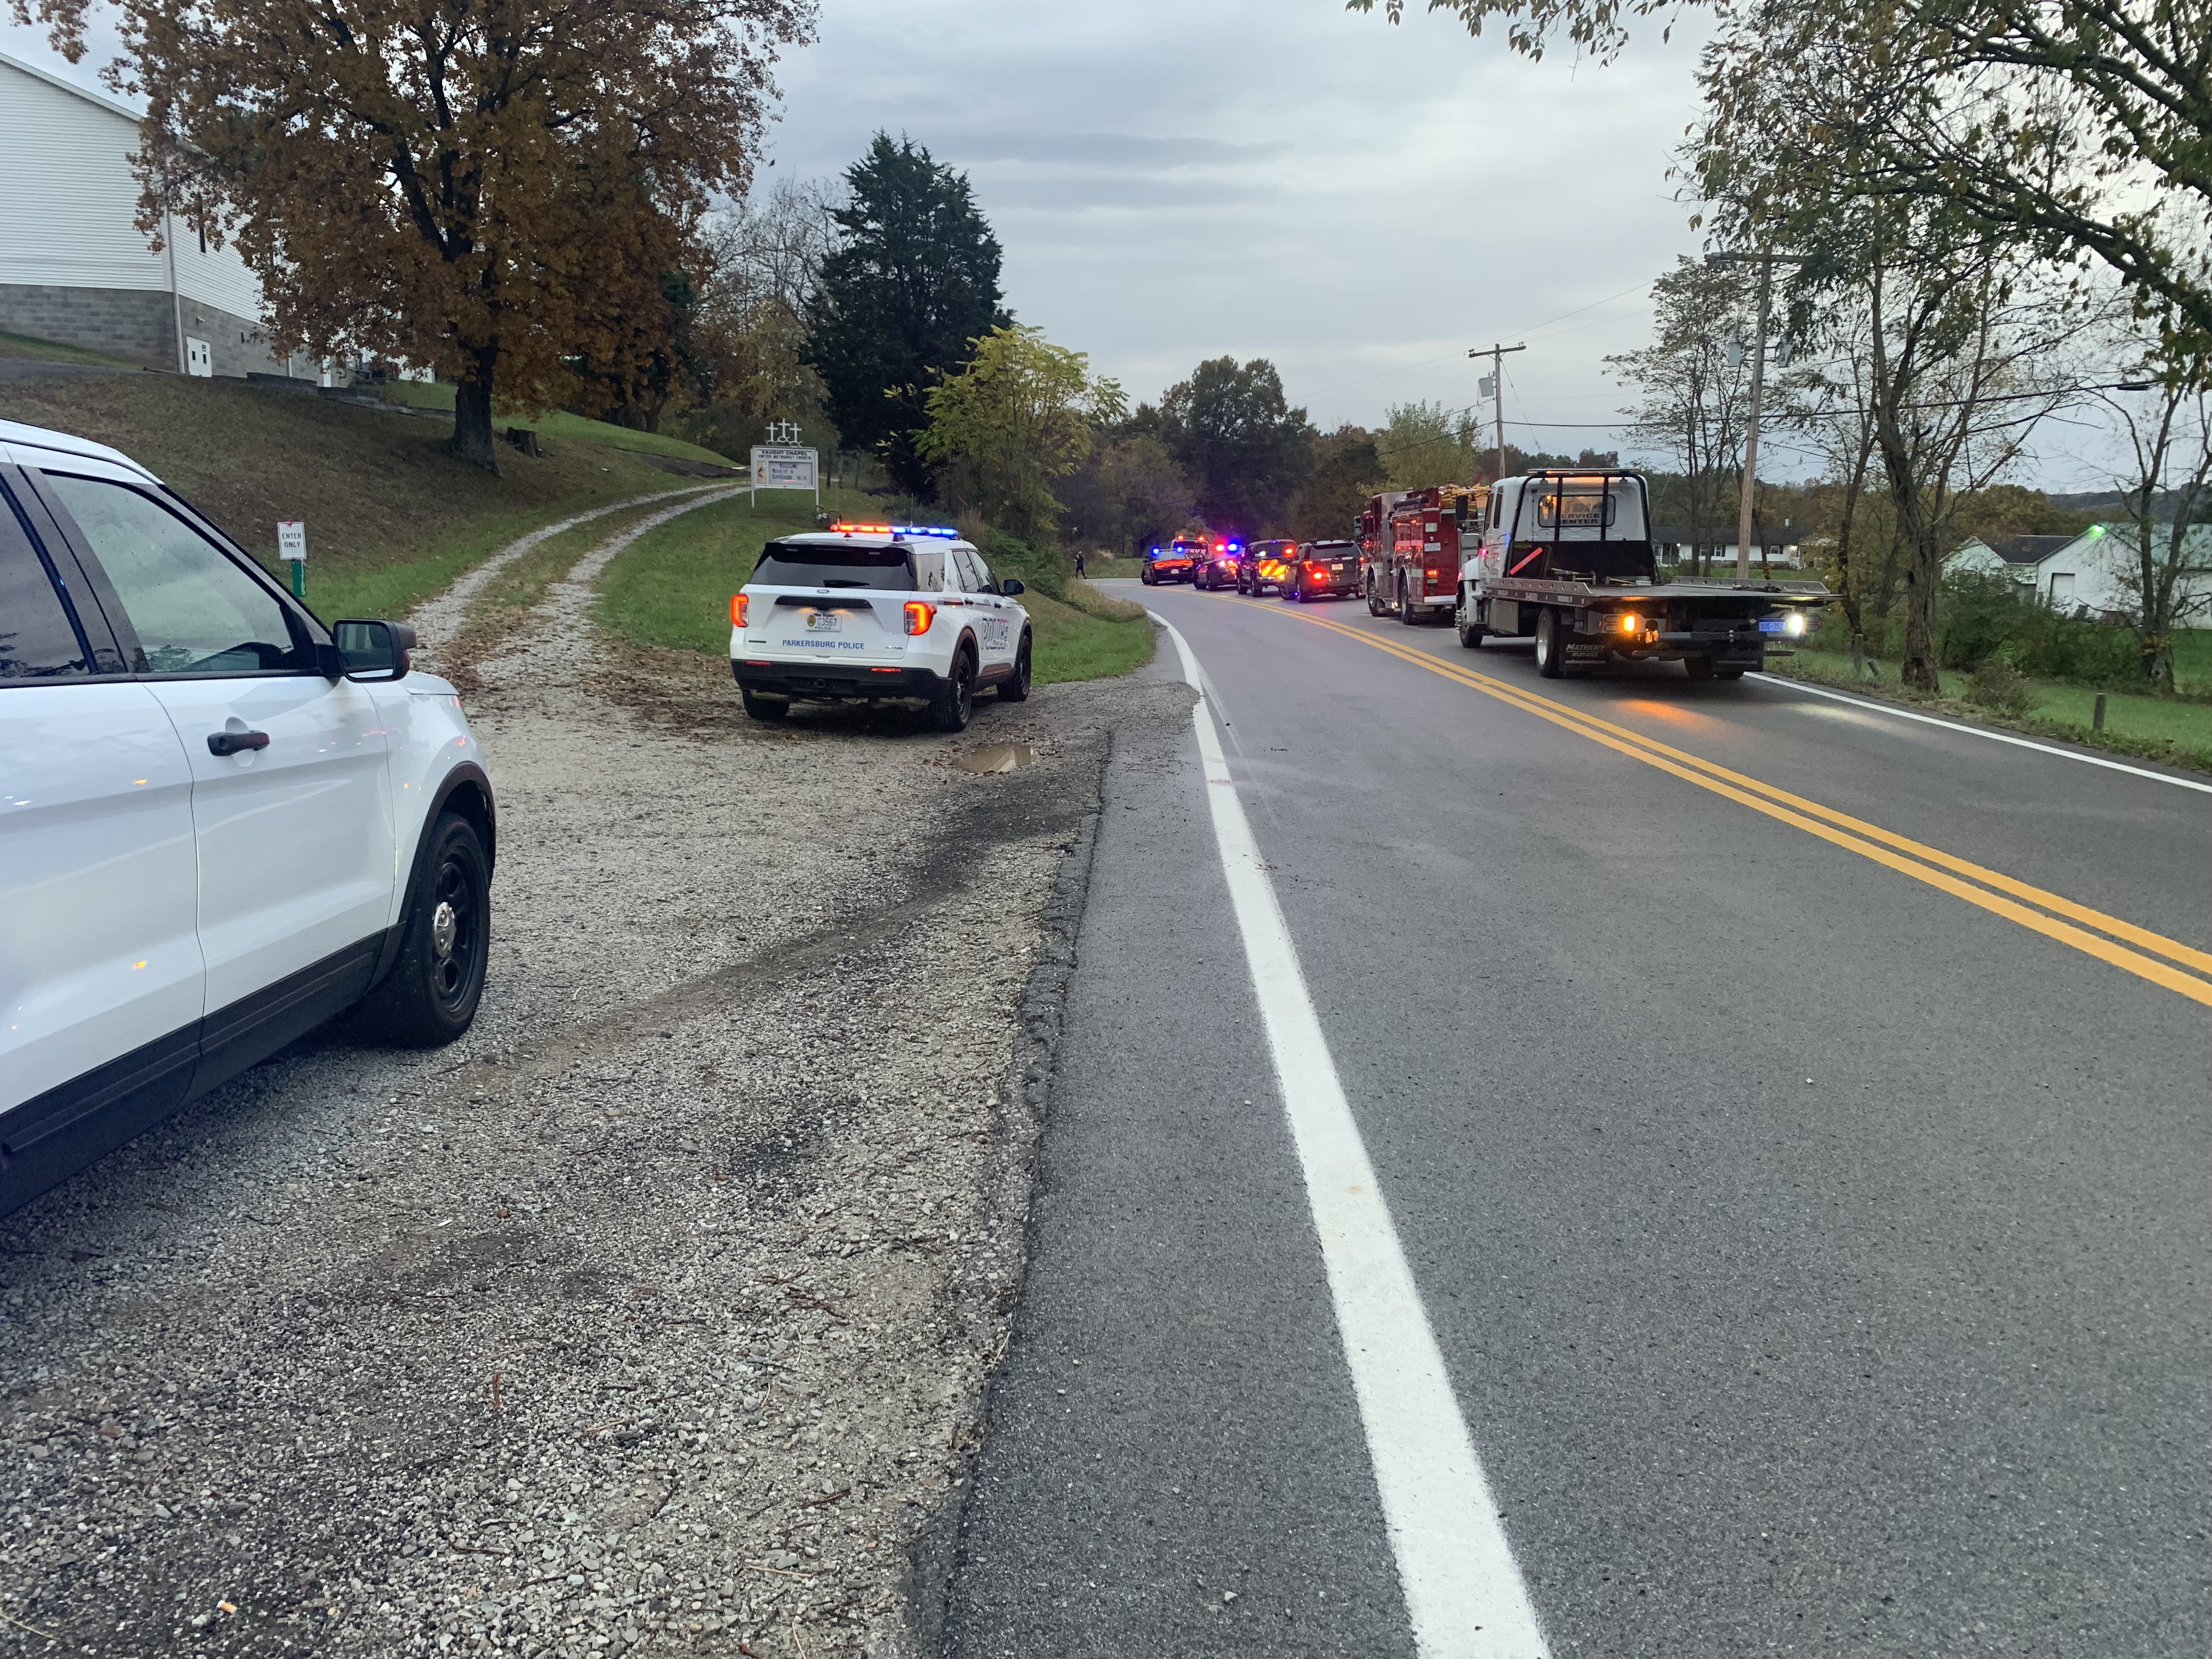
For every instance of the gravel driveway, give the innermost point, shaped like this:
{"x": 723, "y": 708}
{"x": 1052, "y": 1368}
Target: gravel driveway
{"x": 652, "y": 1316}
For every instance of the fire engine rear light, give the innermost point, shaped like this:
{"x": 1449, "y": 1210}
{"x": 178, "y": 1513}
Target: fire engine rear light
{"x": 736, "y": 610}
{"x": 920, "y": 613}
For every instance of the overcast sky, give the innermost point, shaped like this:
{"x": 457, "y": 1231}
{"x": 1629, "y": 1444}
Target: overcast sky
{"x": 1174, "y": 179}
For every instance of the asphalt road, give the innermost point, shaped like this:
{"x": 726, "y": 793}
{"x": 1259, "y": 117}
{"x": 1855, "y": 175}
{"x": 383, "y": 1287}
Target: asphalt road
{"x": 1818, "y": 1251}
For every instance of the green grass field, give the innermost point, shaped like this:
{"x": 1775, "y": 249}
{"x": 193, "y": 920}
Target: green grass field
{"x": 672, "y": 587}
{"x": 2174, "y": 729}
{"x": 557, "y": 424}
{"x": 392, "y": 517}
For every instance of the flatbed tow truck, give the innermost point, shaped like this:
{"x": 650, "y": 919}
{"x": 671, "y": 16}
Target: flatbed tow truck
{"x": 1565, "y": 556}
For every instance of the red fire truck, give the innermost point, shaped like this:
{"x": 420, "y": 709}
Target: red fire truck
{"x": 1409, "y": 554}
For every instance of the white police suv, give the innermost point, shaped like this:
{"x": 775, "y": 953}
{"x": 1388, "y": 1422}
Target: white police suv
{"x": 221, "y": 822}
{"x": 880, "y": 613}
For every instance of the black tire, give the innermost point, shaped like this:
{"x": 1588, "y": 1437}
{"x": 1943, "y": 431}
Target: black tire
{"x": 1144, "y": 576}
{"x": 1697, "y": 668}
{"x": 430, "y": 996}
{"x": 1470, "y": 634}
{"x": 1405, "y": 606}
{"x": 1017, "y": 689}
{"x": 951, "y": 709}
{"x": 1735, "y": 674}
{"x": 1550, "y": 654}
{"x": 1374, "y": 604}
{"x": 764, "y": 708}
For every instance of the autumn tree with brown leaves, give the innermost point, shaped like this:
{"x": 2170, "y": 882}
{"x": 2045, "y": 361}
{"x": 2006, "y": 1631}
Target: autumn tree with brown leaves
{"x": 490, "y": 188}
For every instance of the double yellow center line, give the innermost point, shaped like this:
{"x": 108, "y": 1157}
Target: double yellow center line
{"x": 2154, "y": 956}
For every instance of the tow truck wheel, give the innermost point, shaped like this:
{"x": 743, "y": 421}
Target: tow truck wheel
{"x": 1470, "y": 634}
{"x": 1697, "y": 668}
{"x": 765, "y": 708}
{"x": 1551, "y": 650}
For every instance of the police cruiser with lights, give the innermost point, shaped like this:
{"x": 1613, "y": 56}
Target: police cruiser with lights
{"x": 906, "y": 614}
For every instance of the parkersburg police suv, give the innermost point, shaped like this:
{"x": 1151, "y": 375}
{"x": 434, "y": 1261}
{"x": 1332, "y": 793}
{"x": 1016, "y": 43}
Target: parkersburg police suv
{"x": 878, "y": 613}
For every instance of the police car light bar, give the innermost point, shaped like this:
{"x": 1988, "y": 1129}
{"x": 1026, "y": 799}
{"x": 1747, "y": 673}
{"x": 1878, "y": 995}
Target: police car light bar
{"x": 891, "y": 529}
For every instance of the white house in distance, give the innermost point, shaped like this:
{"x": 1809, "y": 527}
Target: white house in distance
{"x": 73, "y": 268}
{"x": 2087, "y": 573}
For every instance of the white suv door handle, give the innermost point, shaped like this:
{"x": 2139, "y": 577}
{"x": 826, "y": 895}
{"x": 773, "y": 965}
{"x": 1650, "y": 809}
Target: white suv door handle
{"x": 229, "y": 742}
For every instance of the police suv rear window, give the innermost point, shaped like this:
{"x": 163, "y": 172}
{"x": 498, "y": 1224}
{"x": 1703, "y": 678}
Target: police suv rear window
{"x": 785, "y": 565}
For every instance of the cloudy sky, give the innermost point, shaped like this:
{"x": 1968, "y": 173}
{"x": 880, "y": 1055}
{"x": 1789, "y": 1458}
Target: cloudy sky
{"x": 1173, "y": 179}
{"x": 1282, "y": 178}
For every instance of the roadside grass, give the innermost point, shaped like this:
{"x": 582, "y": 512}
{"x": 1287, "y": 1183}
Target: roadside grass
{"x": 392, "y": 517}
{"x": 560, "y": 423}
{"x": 1088, "y": 636}
{"x": 54, "y": 351}
{"x": 671, "y": 587}
{"x": 2175, "y": 730}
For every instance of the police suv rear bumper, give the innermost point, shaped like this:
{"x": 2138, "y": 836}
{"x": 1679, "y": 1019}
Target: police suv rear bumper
{"x": 825, "y": 680}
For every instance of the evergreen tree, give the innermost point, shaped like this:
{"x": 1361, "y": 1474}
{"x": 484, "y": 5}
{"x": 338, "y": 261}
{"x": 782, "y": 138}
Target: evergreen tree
{"x": 914, "y": 280}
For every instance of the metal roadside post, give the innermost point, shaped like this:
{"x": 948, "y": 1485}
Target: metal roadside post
{"x": 292, "y": 548}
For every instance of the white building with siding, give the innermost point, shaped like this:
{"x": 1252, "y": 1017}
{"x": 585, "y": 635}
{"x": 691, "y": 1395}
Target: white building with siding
{"x": 2089, "y": 575}
{"x": 73, "y": 267}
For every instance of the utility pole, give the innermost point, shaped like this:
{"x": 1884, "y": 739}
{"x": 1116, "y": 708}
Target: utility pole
{"x": 1496, "y": 387}
{"x": 1766, "y": 262}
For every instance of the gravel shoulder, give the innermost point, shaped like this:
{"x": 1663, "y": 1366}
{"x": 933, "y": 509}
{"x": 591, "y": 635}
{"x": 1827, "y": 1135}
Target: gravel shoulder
{"x": 655, "y": 1315}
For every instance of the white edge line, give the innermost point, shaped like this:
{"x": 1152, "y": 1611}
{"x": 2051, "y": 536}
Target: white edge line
{"x": 1981, "y": 732}
{"x": 1464, "y": 1597}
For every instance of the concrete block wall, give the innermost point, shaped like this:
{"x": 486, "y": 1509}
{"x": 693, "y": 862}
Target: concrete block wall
{"x": 137, "y": 324}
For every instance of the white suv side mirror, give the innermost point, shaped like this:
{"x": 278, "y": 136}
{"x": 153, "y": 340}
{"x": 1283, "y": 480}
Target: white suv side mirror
{"x": 374, "y": 650}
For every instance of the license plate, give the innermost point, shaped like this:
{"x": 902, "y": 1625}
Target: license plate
{"x": 1339, "y": 569}
{"x": 825, "y": 622}
{"x": 1772, "y": 625}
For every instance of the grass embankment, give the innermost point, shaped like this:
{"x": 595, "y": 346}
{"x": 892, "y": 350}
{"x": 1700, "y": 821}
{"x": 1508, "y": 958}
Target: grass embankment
{"x": 392, "y": 517}
{"x": 671, "y": 587}
{"x": 559, "y": 423}
{"x": 2175, "y": 730}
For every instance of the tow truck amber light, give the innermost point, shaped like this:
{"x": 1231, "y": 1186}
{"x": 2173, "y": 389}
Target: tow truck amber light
{"x": 736, "y": 610}
{"x": 918, "y": 615}
{"x": 1629, "y": 622}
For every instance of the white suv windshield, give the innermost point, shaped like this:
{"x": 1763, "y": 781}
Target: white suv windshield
{"x": 785, "y": 565}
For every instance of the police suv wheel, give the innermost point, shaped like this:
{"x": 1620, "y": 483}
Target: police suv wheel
{"x": 765, "y": 708}
{"x": 955, "y": 702}
{"x": 1017, "y": 689}
{"x": 430, "y": 996}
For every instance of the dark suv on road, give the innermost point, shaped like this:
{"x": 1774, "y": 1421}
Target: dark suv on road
{"x": 1323, "y": 570}
{"x": 1263, "y": 565}
{"x": 1173, "y": 562}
